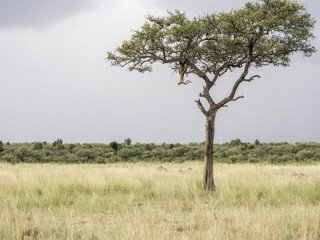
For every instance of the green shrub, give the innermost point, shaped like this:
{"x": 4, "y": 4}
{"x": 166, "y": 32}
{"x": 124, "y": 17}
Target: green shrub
{"x": 235, "y": 142}
{"x": 87, "y": 154}
{"x": 304, "y": 154}
{"x": 58, "y": 144}
{"x": 275, "y": 153}
{"x": 37, "y": 146}
{"x": 8, "y": 157}
{"x": 126, "y": 153}
{"x": 114, "y": 145}
{"x": 1, "y": 146}
{"x": 127, "y": 142}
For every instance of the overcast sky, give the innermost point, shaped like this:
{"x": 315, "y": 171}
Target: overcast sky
{"x": 55, "y": 82}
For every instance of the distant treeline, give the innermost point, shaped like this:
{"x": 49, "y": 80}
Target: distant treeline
{"x": 230, "y": 152}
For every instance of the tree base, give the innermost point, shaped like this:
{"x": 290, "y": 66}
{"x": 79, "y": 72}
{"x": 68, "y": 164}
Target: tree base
{"x": 209, "y": 187}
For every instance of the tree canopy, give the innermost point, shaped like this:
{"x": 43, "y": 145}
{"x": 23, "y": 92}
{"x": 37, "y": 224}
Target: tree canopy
{"x": 262, "y": 33}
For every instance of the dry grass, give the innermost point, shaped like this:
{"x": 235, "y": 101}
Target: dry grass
{"x": 143, "y": 201}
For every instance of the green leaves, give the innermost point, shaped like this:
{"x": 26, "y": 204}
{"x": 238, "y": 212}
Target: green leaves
{"x": 271, "y": 30}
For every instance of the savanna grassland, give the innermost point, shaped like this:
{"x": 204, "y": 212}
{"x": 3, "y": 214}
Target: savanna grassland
{"x": 158, "y": 201}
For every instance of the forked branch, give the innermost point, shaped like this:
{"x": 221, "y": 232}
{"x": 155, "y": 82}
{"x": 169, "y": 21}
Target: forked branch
{"x": 201, "y": 107}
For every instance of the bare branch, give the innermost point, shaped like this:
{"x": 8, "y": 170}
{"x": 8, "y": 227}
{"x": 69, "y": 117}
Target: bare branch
{"x": 235, "y": 87}
{"x": 241, "y": 79}
{"x": 215, "y": 78}
{"x": 232, "y": 100}
{"x": 201, "y": 107}
{"x": 251, "y": 78}
{"x": 235, "y": 99}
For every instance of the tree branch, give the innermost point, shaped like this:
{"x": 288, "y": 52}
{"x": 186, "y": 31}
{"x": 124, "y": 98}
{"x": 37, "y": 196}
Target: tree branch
{"x": 207, "y": 96}
{"x": 240, "y": 79}
{"x": 199, "y": 72}
{"x": 251, "y": 78}
{"x": 201, "y": 107}
{"x": 232, "y": 100}
{"x": 235, "y": 99}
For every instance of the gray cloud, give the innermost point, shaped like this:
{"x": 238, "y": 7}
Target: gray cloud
{"x": 199, "y": 7}
{"x": 55, "y": 83}
{"x": 40, "y": 13}
{"x": 213, "y": 6}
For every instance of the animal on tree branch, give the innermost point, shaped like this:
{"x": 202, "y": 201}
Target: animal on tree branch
{"x": 182, "y": 72}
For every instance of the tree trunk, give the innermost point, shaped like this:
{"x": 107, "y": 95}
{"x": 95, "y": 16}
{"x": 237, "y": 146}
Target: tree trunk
{"x": 208, "y": 182}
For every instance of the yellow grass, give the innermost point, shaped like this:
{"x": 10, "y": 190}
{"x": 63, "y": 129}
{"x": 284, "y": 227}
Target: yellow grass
{"x": 146, "y": 201}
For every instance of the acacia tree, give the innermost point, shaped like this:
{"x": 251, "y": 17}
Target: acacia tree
{"x": 263, "y": 33}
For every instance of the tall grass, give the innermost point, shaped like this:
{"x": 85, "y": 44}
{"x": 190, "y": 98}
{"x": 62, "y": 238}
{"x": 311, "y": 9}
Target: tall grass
{"x": 146, "y": 201}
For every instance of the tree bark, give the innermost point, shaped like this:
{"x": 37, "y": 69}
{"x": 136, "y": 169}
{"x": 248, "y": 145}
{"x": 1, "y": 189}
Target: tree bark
{"x": 208, "y": 181}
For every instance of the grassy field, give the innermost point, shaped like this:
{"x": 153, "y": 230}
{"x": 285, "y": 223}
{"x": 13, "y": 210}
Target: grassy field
{"x": 158, "y": 201}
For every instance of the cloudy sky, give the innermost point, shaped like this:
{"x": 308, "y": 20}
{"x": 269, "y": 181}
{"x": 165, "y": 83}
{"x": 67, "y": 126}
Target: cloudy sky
{"x": 55, "y": 82}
